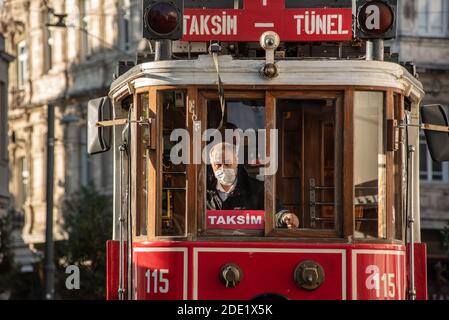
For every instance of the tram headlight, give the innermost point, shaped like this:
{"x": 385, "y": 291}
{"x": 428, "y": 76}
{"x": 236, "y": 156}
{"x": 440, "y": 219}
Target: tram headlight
{"x": 162, "y": 19}
{"x": 270, "y": 40}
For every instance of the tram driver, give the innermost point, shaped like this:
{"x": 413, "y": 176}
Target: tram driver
{"x": 231, "y": 188}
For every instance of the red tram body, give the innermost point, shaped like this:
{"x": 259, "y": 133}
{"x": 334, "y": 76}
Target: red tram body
{"x": 353, "y": 272}
{"x": 347, "y": 167}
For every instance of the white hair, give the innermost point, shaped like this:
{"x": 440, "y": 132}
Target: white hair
{"x": 218, "y": 149}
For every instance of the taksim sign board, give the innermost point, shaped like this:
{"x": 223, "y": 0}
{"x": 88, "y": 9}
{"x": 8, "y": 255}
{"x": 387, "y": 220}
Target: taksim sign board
{"x": 259, "y": 16}
{"x": 235, "y": 219}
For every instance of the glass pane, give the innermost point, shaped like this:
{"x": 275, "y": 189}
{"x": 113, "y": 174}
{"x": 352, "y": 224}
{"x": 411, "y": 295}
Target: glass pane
{"x": 305, "y": 180}
{"x": 369, "y": 165}
{"x": 173, "y": 174}
{"x": 436, "y": 20}
{"x": 235, "y": 156}
{"x": 400, "y": 175}
{"x": 144, "y": 131}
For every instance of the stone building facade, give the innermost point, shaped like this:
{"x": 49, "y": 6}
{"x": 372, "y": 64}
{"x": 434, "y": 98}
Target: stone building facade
{"x": 424, "y": 39}
{"x": 5, "y": 59}
{"x": 65, "y": 65}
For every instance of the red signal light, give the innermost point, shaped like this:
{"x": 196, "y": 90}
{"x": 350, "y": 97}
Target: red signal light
{"x": 162, "y": 18}
{"x": 376, "y": 19}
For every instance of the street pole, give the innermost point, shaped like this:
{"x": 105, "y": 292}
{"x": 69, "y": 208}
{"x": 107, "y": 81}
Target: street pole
{"x": 49, "y": 244}
{"x": 163, "y": 50}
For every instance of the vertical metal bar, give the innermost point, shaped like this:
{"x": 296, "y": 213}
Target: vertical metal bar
{"x": 312, "y": 202}
{"x": 121, "y": 287}
{"x": 378, "y": 50}
{"x": 411, "y": 222}
{"x": 163, "y": 50}
{"x": 369, "y": 50}
{"x": 129, "y": 228}
{"x": 49, "y": 244}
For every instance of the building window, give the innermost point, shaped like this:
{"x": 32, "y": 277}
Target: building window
{"x": 126, "y": 29}
{"x": 431, "y": 171}
{"x": 3, "y": 122}
{"x": 432, "y": 18}
{"x": 22, "y": 60}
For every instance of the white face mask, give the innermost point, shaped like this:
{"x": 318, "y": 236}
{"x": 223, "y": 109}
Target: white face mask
{"x": 226, "y": 176}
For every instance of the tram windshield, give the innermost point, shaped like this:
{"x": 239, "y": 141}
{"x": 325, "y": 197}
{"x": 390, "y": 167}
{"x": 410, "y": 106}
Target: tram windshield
{"x": 370, "y": 165}
{"x": 234, "y": 189}
{"x": 278, "y": 164}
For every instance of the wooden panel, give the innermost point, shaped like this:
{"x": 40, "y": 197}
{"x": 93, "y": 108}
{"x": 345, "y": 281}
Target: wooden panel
{"x": 390, "y": 185}
{"x": 136, "y": 164}
{"x": 339, "y": 154}
{"x": 201, "y": 168}
{"x": 139, "y": 169}
{"x": 313, "y": 158}
{"x": 152, "y": 166}
{"x": 192, "y": 226}
{"x": 288, "y": 177}
{"x": 348, "y": 164}
{"x": 398, "y": 163}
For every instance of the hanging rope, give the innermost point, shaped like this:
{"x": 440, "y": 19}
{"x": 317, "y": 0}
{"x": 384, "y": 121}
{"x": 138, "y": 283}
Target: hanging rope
{"x": 214, "y": 50}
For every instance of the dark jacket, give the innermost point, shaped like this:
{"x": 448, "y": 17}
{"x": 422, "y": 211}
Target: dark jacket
{"x": 248, "y": 194}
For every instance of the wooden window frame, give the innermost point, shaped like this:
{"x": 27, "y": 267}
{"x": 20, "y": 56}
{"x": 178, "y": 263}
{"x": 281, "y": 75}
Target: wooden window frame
{"x": 197, "y": 97}
{"x": 270, "y": 98}
{"x": 270, "y": 184}
{"x": 154, "y": 162}
{"x": 203, "y": 97}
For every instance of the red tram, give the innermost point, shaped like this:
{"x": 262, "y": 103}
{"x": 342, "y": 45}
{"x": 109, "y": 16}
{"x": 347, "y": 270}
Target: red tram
{"x": 327, "y": 134}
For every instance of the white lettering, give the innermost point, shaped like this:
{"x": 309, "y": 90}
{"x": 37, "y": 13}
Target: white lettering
{"x": 211, "y": 25}
{"x": 321, "y": 24}
{"x": 223, "y": 23}
{"x": 203, "y": 23}
{"x": 340, "y": 25}
{"x": 256, "y": 220}
{"x": 299, "y": 18}
{"x": 312, "y": 23}
{"x": 373, "y": 17}
{"x": 186, "y": 18}
{"x": 216, "y": 23}
{"x": 233, "y": 24}
{"x": 212, "y": 219}
{"x": 194, "y": 26}
{"x": 230, "y": 219}
{"x": 332, "y": 24}
{"x": 221, "y": 220}
{"x": 247, "y": 219}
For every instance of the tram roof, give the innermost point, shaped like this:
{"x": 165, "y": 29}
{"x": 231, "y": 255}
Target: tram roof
{"x": 313, "y": 72}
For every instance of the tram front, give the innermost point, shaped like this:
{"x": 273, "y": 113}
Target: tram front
{"x": 237, "y": 177}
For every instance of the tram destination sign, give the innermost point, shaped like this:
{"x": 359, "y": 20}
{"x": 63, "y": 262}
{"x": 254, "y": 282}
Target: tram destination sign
{"x": 296, "y": 24}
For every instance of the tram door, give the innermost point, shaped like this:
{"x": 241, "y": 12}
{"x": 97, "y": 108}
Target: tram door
{"x": 307, "y": 160}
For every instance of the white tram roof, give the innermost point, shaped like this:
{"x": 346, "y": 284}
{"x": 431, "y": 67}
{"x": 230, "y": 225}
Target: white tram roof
{"x": 310, "y": 72}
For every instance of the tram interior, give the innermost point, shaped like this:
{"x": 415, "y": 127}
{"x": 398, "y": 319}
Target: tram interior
{"x": 309, "y": 158}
